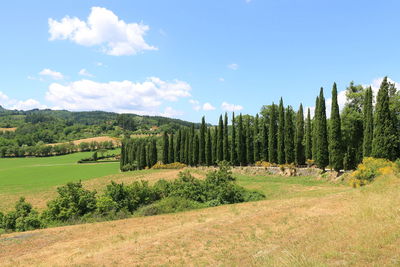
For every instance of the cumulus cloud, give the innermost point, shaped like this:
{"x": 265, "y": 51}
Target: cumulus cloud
{"x": 231, "y": 107}
{"x": 207, "y": 106}
{"x": 118, "y": 96}
{"x": 84, "y": 72}
{"x": 103, "y": 28}
{"x": 233, "y": 66}
{"x": 28, "y": 104}
{"x": 51, "y": 73}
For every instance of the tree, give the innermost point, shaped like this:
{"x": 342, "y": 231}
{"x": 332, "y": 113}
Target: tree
{"x": 209, "y": 148}
{"x": 182, "y": 146}
{"x": 256, "y": 137}
{"x": 308, "y": 138}
{"x": 171, "y": 150}
{"x": 178, "y": 146}
{"x": 289, "y": 135}
{"x": 249, "y": 143}
{"x": 281, "y": 133}
{"x": 264, "y": 149}
{"x": 215, "y": 145}
{"x": 234, "y": 158}
{"x": 241, "y": 140}
{"x": 202, "y": 143}
{"x": 165, "y": 148}
{"x": 322, "y": 135}
{"x": 226, "y": 139}
{"x": 368, "y": 122}
{"x": 315, "y": 130}
{"x": 153, "y": 153}
{"x": 335, "y": 134}
{"x": 385, "y": 140}
{"x": 220, "y": 142}
{"x": 299, "y": 136}
{"x": 272, "y": 142}
{"x": 196, "y": 148}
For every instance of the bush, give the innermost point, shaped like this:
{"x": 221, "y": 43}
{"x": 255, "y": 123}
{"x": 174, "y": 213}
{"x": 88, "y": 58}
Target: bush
{"x": 105, "y": 205}
{"x": 169, "y": 205}
{"x": 175, "y": 165}
{"x": 23, "y": 218}
{"x": 369, "y": 169}
{"x": 264, "y": 164}
{"x": 73, "y": 201}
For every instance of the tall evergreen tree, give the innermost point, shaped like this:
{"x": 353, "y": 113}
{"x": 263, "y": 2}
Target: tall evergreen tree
{"x": 178, "y": 146}
{"x": 165, "y": 148}
{"x": 191, "y": 145}
{"x": 272, "y": 140}
{"x": 215, "y": 145}
{"x": 220, "y": 142}
{"x": 209, "y": 148}
{"x": 322, "y": 135}
{"x": 226, "y": 139}
{"x": 153, "y": 153}
{"x": 256, "y": 137}
{"x": 315, "y": 130}
{"x": 384, "y": 143}
{"x": 143, "y": 156}
{"x": 299, "y": 137}
{"x": 289, "y": 135}
{"x": 281, "y": 133}
{"x": 335, "y": 134}
{"x": 234, "y": 157}
{"x": 182, "y": 146}
{"x": 241, "y": 146}
{"x": 171, "y": 150}
{"x": 249, "y": 143}
{"x": 264, "y": 150}
{"x": 308, "y": 137}
{"x": 368, "y": 122}
{"x": 196, "y": 149}
{"x": 202, "y": 142}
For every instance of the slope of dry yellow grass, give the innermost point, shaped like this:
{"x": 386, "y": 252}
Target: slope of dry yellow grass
{"x": 358, "y": 227}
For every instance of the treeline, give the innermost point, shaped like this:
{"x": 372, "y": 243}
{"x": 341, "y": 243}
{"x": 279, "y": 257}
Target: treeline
{"x": 281, "y": 135}
{"x": 138, "y": 153}
{"x": 44, "y": 150}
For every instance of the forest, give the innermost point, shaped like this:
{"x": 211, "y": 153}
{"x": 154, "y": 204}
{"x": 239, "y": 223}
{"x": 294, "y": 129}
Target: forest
{"x": 367, "y": 126}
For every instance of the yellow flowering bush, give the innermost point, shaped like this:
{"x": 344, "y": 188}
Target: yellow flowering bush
{"x": 175, "y": 165}
{"x": 264, "y": 164}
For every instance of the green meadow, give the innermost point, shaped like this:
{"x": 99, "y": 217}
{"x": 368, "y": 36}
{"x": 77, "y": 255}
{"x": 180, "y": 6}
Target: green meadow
{"x": 19, "y": 175}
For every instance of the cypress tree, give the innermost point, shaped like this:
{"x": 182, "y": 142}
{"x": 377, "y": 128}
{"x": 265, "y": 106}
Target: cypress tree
{"x": 191, "y": 145}
{"x": 241, "y": 146}
{"x": 143, "y": 156}
{"x": 384, "y": 143}
{"x": 368, "y": 123}
{"x": 322, "y": 135}
{"x": 299, "y": 137}
{"x": 202, "y": 142}
{"x": 289, "y": 135}
{"x": 272, "y": 142}
{"x": 256, "y": 137}
{"x": 208, "y": 148}
{"x": 153, "y": 153}
{"x": 215, "y": 145}
{"x": 226, "y": 139}
{"x": 281, "y": 133}
{"x": 196, "y": 148}
{"x": 249, "y": 143}
{"x": 308, "y": 138}
{"x": 171, "y": 150}
{"x": 187, "y": 147}
{"x": 182, "y": 146}
{"x": 165, "y": 148}
{"x": 220, "y": 142}
{"x": 264, "y": 141}
{"x": 315, "y": 130}
{"x": 178, "y": 146}
{"x": 335, "y": 134}
{"x": 234, "y": 158}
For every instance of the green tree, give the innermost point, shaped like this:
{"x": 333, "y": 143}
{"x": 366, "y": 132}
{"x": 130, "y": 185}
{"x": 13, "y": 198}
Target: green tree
{"x": 256, "y": 136}
{"x": 308, "y": 137}
{"x": 264, "y": 149}
{"x": 165, "y": 148}
{"x": 209, "y": 148}
{"x": 178, "y": 146}
{"x": 202, "y": 142}
{"x": 171, "y": 150}
{"x": 289, "y": 135}
{"x": 322, "y": 135}
{"x": 299, "y": 136}
{"x": 153, "y": 153}
{"x": 272, "y": 140}
{"x": 226, "y": 139}
{"x": 315, "y": 130}
{"x": 249, "y": 142}
{"x": 335, "y": 134}
{"x": 384, "y": 144}
{"x": 368, "y": 123}
{"x": 196, "y": 149}
{"x": 241, "y": 142}
{"x": 234, "y": 157}
{"x": 220, "y": 142}
{"x": 281, "y": 133}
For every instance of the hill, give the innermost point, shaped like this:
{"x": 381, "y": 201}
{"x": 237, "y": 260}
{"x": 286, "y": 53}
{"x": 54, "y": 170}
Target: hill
{"x": 357, "y": 227}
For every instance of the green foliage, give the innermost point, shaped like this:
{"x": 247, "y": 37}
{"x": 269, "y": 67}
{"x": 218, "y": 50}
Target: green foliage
{"x": 272, "y": 141}
{"x": 23, "y": 218}
{"x": 289, "y": 136}
{"x": 169, "y": 205}
{"x": 299, "y": 136}
{"x": 371, "y": 168}
{"x": 322, "y": 158}
{"x": 281, "y": 133}
{"x": 335, "y": 135}
{"x": 368, "y": 123}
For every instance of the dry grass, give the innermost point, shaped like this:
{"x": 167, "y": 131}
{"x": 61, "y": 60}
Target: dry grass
{"x": 98, "y": 139}
{"x": 360, "y": 227}
{"x": 8, "y": 129}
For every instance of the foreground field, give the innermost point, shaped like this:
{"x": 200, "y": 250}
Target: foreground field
{"x": 345, "y": 227}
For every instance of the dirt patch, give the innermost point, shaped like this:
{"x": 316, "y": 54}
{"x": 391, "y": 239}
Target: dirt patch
{"x": 8, "y": 129}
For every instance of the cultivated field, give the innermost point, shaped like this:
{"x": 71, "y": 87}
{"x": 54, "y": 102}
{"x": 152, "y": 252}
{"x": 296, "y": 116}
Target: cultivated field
{"x": 98, "y": 139}
{"x": 8, "y": 129}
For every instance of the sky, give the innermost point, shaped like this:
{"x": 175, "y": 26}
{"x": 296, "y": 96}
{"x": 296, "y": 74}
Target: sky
{"x": 185, "y": 59}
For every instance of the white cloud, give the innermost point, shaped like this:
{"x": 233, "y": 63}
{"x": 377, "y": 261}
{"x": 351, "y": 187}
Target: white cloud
{"x": 231, "y": 107}
{"x": 207, "y": 106}
{"x": 28, "y": 104}
{"x": 84, "y": 72}
{"x": 172, "y": 113}
{"x": 195, "y": 104}
{"x": 102, "y": 28}
{"x": 118, "y": 96}
{"x": 221, "y": 79}
{"x": 233, "y": 66}
{"x": 51, "y": 73}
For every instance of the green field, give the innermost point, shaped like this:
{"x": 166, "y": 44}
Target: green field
{"x": 20, "y": 175}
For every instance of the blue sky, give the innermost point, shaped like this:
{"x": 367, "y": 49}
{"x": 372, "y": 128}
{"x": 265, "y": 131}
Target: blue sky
{"x": 187, "y": 59}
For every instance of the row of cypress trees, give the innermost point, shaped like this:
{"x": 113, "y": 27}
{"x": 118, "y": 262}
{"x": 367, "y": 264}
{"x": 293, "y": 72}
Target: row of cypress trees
{"x": 138, "y": 153}
{"x": 282, "y": 135}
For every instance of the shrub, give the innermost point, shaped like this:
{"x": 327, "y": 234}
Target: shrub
{"x": 23, "y": 218}
{"x": 309, "y": 163}
{"x": 175, "y": 165}
{"x": 73, "y": 201}
{"x": 169, "y": 205}
{"x": 1, "y": 220}
{"x": 105, "y": 205}
{"x": 264, "y": 164}
{"x": 369, "y": 169}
